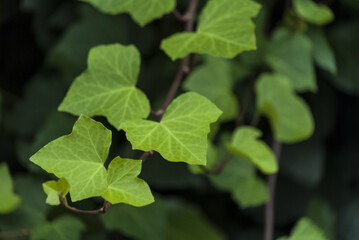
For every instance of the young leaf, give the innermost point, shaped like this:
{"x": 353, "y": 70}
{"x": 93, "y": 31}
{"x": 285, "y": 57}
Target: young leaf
{"x": 245, "y": 143}
{"x": 289, "y": 115}
{"x": 181, "y": 136}
{"x": 215, "y": 81}
{"x": 108, "y": 86}
{"x": 56, "y": 190}
{"x": 64, "y": 227}
{"x": 291, "y": 55}
{"x": 312, "y": 12}
{"x": 225, "y": 29}
{"x": 123, "y": 184}
{"x": 306, "y": 229}
{"x": 9, "y": 201}
{"x": 78, "y": 157}
{"x": 142, "y": 11}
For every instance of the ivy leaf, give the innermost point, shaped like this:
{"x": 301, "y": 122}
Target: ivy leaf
{"x": 225, "y": 29}
{"x": 215, "y": 81}
{"x": 123, "y": 184}
{"x": 245, "y": 144}
{"x": 63, "y": 228}
{"x": 291, "y": 55}
{"x": 306, "y": 229}
{"x": 56, "y": 190}
{"x": 289, "y": 115}
{"x": 211, "y": 160}
{"x": 313, "y": 12}
{"x": 181, "y": 136}
{"x": 9, "y": 201}
{"x": 108, "y": 86}
{"x": 78, "y": 157}
{"x": 142, "y": 11}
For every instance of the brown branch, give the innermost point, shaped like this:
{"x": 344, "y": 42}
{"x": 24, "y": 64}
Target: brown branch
{"x": 269, "y": 208}
{"x": 14, "y": 233}
{"x": 105, "y": 207}
{"x": 219, "y": 167}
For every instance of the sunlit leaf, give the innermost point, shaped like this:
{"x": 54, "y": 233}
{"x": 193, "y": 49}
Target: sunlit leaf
{"x": 225, "y": 29}
{"x": 181, "y": 136}
{"x": 107, "y": 88}
{"x": 9, "y": 201}
{"x": 289, "y": 115}
{"x": 142, "y": 11}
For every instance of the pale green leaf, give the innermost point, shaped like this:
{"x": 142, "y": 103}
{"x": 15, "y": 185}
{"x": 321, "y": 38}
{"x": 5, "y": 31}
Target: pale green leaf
{"x": 78, "y": 157}
{"x": 56, "y": 190}
{"x": 291, "y": 55}
{"x": 289, "y": 116}
{"x": 123, "y": 184}
{"x": 181, "y": 136}
{"x": 107, "y": 88}
{"x": 9, "y": 201}
{"x": 245, "y": 143}
{"x": 313, "y": 12}
{"x": 211, "y": 160}
{"x": 142, "y": 11}
{"x": 63, "y": 228}
{"x": 306, "y": 229}
{"x": 225, "y": 29}
{"x": 323, "y": 53}
{"x": 215, "y": 80}
{"x": 145, "y": 223}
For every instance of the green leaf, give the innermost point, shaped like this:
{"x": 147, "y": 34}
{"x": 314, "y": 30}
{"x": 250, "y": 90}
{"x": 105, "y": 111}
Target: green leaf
{"x": 323, "y": 53}
{"x": 239, "y": 178}
{"x": 306, "y": 229}
{"x": 107, "y": 88}
{"x": 225, "y": 29}
{"x": 181, "y": 136}
{"x": 312, "y": 12}
{"x": 9, "y": 201}
{"x": 123, "y": 184}
{"x": 187, "y": 222}
{"x": 245, "y": 143}
{"x": 56, "y": 190}
{"x": 63, "y": 228}
{"x": 289, "y": 115}
{"x": 145, "y": 223}
{"x": 78, "y": 157}
{"x": 142, "y": 11}
{"x": 215, "y": 80}
{"x": 291, "y": 55}
{"x": 211, "y": 160}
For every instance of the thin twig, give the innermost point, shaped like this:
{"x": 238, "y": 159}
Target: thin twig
{"x": 145, "y": 155}
{"x": 219, "y": 167}
{"x": 14, "y": 233}
{"x": 269, "y": 208}
{"x": 105, "y": 207}
{"x": 178, "y": 15}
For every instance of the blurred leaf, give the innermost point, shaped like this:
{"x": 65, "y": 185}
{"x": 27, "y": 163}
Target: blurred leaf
{"x": 211, "y": 160}
{"x": 346, "y": 49}
{"x": 186, "y": 222}
{"x": 92, "y": 29}
{"x": 323, "y": 53}
{"x": 107, "y": 87}
{"x": 313, "y": 12}
{"x": 64, "y": 227}
{"x": 42, "y": 95}
{"x": 145, "y": 223}
{"x": 304, "y": 162}
{"x": 225, "y": 29}
{"x": 142, "y": 11}
{"x": 291, "y": 55}
{"x": 289, "y": 116}
{"x": 173, "y": 137}
{"x": 56, "y": 190}
{"x": 305, "y": 229}
{"x": 214, "y": 80}
{"x": 246, "y": 144}
{"x": 349, "y": 221}
{"x": 323, "y": 215}
{"x": 9, "y": 201}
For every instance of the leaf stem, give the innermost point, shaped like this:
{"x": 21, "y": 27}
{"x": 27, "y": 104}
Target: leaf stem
{"x": 105, "y": 207}
{"x": 269, "y": 208}
{"x": 14, "y": 233}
